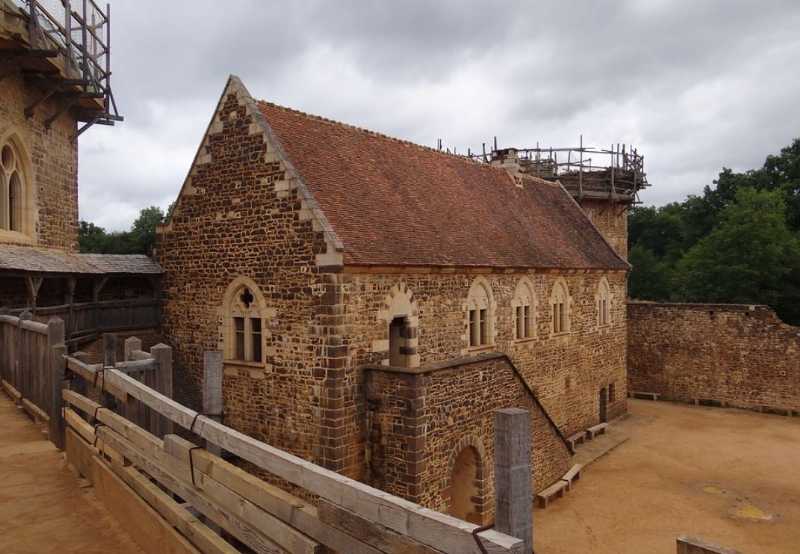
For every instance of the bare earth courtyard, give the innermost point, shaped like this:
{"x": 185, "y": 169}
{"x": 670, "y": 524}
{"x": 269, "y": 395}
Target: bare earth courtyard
{"x": 728, "y": 476}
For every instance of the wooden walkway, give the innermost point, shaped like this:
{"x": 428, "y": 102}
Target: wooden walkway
{"x": 43, "y": 506}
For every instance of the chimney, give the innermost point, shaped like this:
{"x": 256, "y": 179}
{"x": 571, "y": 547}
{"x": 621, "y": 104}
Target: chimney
{"x": 508, "y": 159}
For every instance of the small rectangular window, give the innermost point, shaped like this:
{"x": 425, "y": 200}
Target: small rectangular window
{"x": 238, "y": 327}
{"x": 473, "y": 327}
{"x": 561, "y": 320}
{"x": 484, "y": 330}
{"x": 255, "y": 335}
{"x": 520, "y": 328}
{"x": 612, "y": 393}
{"x": 526, "y": 319}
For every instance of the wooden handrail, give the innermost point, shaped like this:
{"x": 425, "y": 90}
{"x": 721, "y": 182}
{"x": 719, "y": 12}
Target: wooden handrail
{"x": 402, "y": 516}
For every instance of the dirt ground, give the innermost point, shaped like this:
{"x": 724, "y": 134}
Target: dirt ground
{"x": 731, "y": 477}
{"x": 43, "y": 508}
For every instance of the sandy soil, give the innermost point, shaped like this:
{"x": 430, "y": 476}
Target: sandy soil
{"x": 43, "y": 508}
{"x": 731, "y": 477}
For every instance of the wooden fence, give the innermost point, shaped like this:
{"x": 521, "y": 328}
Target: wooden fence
{"x": 116, "y": 429}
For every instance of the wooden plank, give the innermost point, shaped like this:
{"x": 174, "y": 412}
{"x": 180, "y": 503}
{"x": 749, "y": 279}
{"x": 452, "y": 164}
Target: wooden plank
{"x": 145, "y": 526}
{"x": 177, "y": 515}
{"x": 79, "y": 453}
{"x": 104, "y": 381}
{"x": 427, "y": 526}
{"x": 380, "y": 537}
{"x": 284, "y": 535}
{"x": 15, "y": 395}
{"x": 247, "y": 534}
{"x": 79, "y": 425}
{"x": 34, "y": 411}
{"x": 300, "y": 514}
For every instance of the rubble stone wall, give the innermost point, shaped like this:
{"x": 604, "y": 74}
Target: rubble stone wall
{"x": 737, "y": 355}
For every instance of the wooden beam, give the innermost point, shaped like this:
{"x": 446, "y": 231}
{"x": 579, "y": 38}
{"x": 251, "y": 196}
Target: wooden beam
{"x": 427, "y": 526}
{"x": 176, "y": 514}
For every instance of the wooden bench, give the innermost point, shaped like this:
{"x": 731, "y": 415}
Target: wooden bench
{"x": 642, "y": 394}
{"x": 595, "y": 430}
{"x": 576, "y": 439}
{"x": 574, "y": 474}
{"x": 556, "y": 489}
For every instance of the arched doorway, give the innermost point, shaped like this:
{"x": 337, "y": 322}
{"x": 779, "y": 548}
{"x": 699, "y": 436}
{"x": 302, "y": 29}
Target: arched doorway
{"x": 464, "y": 489}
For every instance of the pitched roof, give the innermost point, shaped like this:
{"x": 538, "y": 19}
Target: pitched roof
{"x": 46, "y": 260}
{"x": 392, "y": 202}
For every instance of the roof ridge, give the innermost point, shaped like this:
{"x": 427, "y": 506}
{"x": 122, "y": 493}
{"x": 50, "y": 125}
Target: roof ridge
{"x": 372, "y": 133}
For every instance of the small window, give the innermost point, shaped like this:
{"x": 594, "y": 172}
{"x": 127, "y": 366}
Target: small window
{"x": 612, "y": 393}
{"x": 479, "y": 314}
{"x": 473, "y": 328}
{"x": 559, "y": 302}
{"x": 520, "y": 323}
{"x": 255, "y": 337}
{"x": 524, "y": 303}
{"x": 238, "y": 323}
{"x": 603, "y": 299}
{"x": 483, "y": 322}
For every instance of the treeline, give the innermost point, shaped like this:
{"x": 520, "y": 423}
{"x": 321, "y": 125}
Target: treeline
{"x": 140, "y": 239}
{"x": 738, "y": 242}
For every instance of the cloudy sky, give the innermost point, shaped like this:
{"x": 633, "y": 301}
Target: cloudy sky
{"x": 696, "y": 84}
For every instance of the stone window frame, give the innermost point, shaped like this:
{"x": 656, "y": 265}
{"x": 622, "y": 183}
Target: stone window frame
{"x": 235, "y": 309}
{"x": 603, "y": 301}
{"x": 480, "y": 310}
{"x": 16, "y": 216}
{"x": 560, "y": 308}
{"x": 524, "y": 300}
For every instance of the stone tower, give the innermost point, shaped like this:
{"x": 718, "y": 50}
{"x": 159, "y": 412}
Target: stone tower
{"x": 604, "y": 182}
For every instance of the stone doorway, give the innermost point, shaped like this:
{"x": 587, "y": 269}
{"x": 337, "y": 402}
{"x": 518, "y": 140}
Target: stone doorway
{"x": 397, "y": 341}
{"x": 464, "y": 489}
{"x": 603, "y": 405}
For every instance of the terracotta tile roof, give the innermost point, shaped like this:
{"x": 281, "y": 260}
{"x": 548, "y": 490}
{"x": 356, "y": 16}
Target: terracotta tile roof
{"x": 46, "y": 260}
{"x": 392, "y": 202}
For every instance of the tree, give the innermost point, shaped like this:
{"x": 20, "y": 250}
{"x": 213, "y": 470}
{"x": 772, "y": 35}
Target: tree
{"x": 747, "y": 258}
{"x": 650, "y": 279}
{"x": 139, "y": 240}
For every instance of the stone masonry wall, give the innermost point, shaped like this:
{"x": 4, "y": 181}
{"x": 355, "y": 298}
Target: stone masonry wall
{"x": 52, "y": 158}
{"x": 239, "y": 215}
{"x": 737, "y": 355}
{"x": 420, "y": 422}
{"x": 611, "y": 220}
{"x": 566, "y": 371}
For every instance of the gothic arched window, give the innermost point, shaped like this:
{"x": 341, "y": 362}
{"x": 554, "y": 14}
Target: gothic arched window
{"x": 523, "y": 306}
{"x": 244, "y": 329}
{"x": 603, "y": 303}
{"x": 15, "y": 192}
{"x": 560, "y": 306}
{"x": 480, "y": 314}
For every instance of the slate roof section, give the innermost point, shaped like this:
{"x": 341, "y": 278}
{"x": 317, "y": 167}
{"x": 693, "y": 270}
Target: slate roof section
{"x": 396, "y": 203}
{"x": 45, "y": 260}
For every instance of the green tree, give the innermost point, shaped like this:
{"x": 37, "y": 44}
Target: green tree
{"x": 748, "y": 258}
{"x": 139, "y": 240}
{"x": 650, "y": 279}
{"x": 143, "y": 232}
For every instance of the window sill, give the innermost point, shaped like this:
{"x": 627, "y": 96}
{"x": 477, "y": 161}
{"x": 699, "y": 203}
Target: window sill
{"x": 562, "y": 334}
{"x": 481, "y": 348}
{"x": 15, "y": 237}
{"x": 524, "y": 340}
{"x": 242, "y": 363}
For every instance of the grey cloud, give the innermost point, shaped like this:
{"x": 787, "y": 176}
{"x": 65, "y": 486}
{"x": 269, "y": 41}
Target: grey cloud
{"x": 696, "y": 84}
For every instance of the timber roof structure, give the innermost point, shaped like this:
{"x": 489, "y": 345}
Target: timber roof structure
{"x": 46, "y": 260}
{"x": 395, "y": 203}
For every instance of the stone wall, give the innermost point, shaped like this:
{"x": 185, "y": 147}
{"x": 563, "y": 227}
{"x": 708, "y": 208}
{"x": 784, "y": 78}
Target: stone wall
{"x": 240, "y": 215}
{"x": 51, "y": 163}
{"x": 420, "y": 421}
{"x": 566, "y": 371}
{"x": 611, "y": 220}
{"x": 737, "y": 355}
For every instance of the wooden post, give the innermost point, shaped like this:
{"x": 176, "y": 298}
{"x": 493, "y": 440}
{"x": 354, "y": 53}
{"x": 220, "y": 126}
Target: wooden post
{"x": 512, "y": 475}
{"x": 163, "y": 357}
{"x": 133, "y": 409}
{"x": 57, "y": 349}
{"x": 19, "y": 363}
{"x": 212, "y": 390}
{"x": 109, "y": 349}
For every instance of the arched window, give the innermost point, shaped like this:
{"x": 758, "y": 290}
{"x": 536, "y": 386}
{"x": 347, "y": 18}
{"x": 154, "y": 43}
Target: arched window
{"x": 400, "y": 315}
{"x": 523, "y": 306}
{"x": 15, "y": 193}
{"x": 560, "y": 307}
{"x": 245, "y": 315}
{"x": 603, "y": 303}
{"x": 480, "y": 314}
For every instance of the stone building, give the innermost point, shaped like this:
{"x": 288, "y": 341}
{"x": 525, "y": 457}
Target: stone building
{"x": 376, "y": 300}
{"x": 50, "y": 95}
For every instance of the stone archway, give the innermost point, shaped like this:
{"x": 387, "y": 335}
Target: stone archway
{"x": 465, "y": 495}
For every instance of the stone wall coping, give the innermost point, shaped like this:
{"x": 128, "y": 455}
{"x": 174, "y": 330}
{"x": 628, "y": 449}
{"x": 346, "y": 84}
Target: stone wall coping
{"x": 702, "y": 306}
{"x": 437, "y": 366}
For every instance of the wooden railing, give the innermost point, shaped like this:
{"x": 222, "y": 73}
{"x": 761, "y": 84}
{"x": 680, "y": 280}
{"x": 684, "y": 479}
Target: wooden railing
{"x": 86, "y": 321}
{"x": 115, "y": 428}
